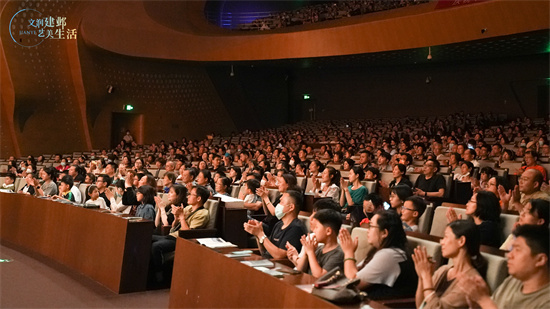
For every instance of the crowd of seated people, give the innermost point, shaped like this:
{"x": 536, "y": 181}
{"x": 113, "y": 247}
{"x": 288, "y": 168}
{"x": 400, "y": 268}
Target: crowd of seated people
{"x": 335, "y": 161}
{"x": 326, "y": 11}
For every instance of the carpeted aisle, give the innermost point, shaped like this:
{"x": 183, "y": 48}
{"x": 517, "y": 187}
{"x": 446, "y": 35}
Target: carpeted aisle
{"x": 31, "y": 281}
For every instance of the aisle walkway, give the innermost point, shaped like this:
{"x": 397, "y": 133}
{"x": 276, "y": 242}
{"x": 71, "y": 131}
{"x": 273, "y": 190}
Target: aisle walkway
{"x": 33, "y": 282}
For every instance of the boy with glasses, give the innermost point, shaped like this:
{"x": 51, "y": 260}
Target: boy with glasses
{"x": 412, "y": 210}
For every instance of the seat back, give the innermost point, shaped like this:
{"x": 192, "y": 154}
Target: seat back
{"x": 273, "y": 193}
{"x": 507, "y": 222}
{"x": 305, "y": 221}
{"x": 425, "y": 221}
{"x": 235, "y": 191}
{"x": 19, "y": 183}
{"x": 497, "y": 270}
{"x": 301, "y": 181}
{"x": 448, "y": 184}
{"x": 440, "y": 220}
{"x": 386, "y": 177}
{"x": 433, "y": 248}
{"x": 363, "y": 246}
{"x": 370, "y": 185}
{"x": 413, "y": 177}
{"x": 83, "y": 187}
{"x": 212, "y": 206}
{"x": 309, "y": 184}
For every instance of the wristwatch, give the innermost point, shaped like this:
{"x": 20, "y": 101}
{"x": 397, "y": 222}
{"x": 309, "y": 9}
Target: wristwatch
{"x": 262, "y": 239}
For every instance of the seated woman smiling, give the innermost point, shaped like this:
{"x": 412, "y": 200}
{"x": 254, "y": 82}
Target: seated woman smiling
{"x": 387, "y": 270}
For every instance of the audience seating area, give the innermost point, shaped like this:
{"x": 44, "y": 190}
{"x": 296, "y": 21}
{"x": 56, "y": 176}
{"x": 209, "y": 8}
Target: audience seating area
{"x": 331, "y": 143}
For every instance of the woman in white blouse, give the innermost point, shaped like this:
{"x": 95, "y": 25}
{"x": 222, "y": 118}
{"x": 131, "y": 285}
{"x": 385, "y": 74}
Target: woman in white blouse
{"x": 327, "y": 186}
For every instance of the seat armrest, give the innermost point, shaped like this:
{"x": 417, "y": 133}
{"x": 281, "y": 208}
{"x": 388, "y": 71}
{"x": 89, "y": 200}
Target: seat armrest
{"x": 165, "y": 230}
{"x": 284, "y": 261}
{"x": 198, "y": 233}
{"x": 408, "y": 302}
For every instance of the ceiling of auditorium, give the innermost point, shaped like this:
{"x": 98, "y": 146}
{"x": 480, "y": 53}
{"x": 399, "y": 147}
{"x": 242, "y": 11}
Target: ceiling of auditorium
{"x": 523, "y": 44}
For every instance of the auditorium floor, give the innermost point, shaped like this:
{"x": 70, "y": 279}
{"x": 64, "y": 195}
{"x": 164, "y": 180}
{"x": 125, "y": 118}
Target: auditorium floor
{"x": 34, "y": 282}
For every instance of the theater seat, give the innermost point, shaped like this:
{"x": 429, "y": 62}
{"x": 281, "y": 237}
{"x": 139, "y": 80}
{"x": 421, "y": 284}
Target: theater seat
{"x": 425, "y": 220}
{"x": 83, "y": 187}
{"x": 235, "y": 191}
{"x": 507, "y": 222}
{"x": 211, "y": 229}
{"x": 305, "y": 221}
{"x": 363, "y": 246}
{"x": 370, "y": 185}
{"x": 497, "y": 270}
{"x": 433, "y": 248}
{"x": 440, "y": 220}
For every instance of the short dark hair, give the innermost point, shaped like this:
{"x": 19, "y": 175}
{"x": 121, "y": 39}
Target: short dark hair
{"x": 11, "y": 176}
{"x": 91, "y": 176}
{"x": 203, "y": 193}
{"x": 436, "y": 163}
{"x": 487, "y": 170}
{"x": 408, "y": 155}
{"x": 419, "y": 204}
{"x": 91, "y": 189}
{"x": 402, "y": 191}
{"x": 171, "y": 176}
{"x": 253, "y": 184}
{"x": 536, "y": 237}
{"x": 68, "y": 180}
{"x": 326, "y": 203}
{"x": 488, "y": 206}
{"x": 297, "y": 200}
{"x": 541, "y": 208}
{"x": 329, "y": 218}
{"x": 113, "y": 165}
{"x": 105, "y": 178}
{"x": 402, "y": 168}
{"x": 149, "y": 194}
{"x": 375, "y": 199}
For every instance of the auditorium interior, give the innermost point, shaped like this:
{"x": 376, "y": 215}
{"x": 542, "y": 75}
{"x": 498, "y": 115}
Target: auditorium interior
{"x": 224, "y": 77}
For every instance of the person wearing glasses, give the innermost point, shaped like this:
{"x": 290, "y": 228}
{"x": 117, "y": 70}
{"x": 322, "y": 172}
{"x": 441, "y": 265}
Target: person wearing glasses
{"x": 412, "y": 210}
{"x": 387, "y": 270}
{"x": 102, "y": 182}
{"x": 430, "y": 185}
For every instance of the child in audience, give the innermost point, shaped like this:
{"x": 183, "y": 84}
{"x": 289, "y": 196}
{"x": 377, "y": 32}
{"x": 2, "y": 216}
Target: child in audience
{"x": 252, "y": 202}
{"x": 145, "y": 195}
{"x": 319, "y": 259}
{"x": 411, "y": 212}
{"x": 95, "y": 199}
{"x": 65, "y": 189}
{"x": 9, "y": 183}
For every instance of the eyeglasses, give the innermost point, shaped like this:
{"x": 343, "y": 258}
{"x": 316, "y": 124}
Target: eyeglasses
{"x": 408, "y": 208}
{"x": 372, "y": 226}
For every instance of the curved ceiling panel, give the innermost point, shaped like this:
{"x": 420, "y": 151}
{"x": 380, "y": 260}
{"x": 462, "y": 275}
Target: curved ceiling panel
{"x": 178, "y": 30}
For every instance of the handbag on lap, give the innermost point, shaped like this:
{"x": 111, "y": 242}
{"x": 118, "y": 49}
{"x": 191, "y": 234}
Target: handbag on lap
{"x": 335, "y": 287}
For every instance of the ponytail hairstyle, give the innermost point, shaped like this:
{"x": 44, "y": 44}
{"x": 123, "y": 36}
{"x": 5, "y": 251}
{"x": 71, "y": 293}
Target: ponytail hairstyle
{"x": 470, "y": 231}
{"x": 335, "y": 175}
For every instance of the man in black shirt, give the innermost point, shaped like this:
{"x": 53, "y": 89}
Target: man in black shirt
{"x": 289, "y": 229}
{"x": 430, "y": 185}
